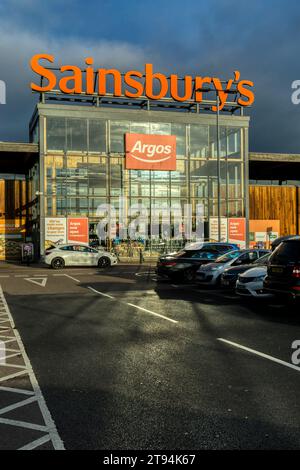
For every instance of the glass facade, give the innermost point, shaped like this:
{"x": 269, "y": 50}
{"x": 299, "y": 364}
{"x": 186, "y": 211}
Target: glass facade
{"x": 84, "y": 166}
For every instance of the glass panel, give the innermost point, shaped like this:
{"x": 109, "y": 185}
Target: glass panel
{"x": 117, "y": 131}
{"x": 179, "y": 131}
{"x": 56, "y": 133}
{"x": 234, "y": 142}
{"x": 161, "y": 128}
{"x": 77, "y": 134}
{"x": 94, "y": 202}
{"x": 97, "y": 135}
{"x": 160, "y": 184}
{"x": 139, "y": 127}
{"x": 139, "y": 183}
{"x": 198, "y": 141}
{"x": 116, "y": 176}
{"x": 97, "y": 171}
{"x": 179, "y": 179}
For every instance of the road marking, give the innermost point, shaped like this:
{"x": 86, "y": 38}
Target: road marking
{"x": 132, "y": 305}
{"x": 16, "y": 390}
{"x": 23, "y": 424}
{"x": 73, "y": 278}
{"x": 266, "y": 356}
{"x": 39, "y": 281}
{"x": 34, "y": 444}
{"x": 101, "y": 293}
{"x": 14, "y": 406}
{"x": 35, "y": 396}
{"x": 152, "y": 313}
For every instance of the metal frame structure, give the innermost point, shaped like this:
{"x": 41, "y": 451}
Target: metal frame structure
{"x": 110, "y": 103}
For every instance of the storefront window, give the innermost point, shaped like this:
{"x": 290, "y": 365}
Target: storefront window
{"x": 56, "y": 133}
{"x": 179, "y": 130}
{"x": 198, "y": 141}
{"x": 118, "y": 129}
{"x": 77, "y": 134}
{"x": 97, "y": 135}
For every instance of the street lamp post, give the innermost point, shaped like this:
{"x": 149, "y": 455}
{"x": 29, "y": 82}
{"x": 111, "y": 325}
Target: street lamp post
{"x": 218, "y": 168}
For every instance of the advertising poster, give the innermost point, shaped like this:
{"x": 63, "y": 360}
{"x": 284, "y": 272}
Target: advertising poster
{"x": 237, "y": 231}
{"x": 78, "y": 230}
{"x": 55, "y": 230}
{"x": 213, "y": 229}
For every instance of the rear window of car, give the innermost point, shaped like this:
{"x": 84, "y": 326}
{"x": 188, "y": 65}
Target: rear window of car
{"x": 66, "y": 248}
{"x": 287, "y": 252}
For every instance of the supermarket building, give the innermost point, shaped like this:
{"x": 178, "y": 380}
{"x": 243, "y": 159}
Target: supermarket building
{"x": 77, "y": 157}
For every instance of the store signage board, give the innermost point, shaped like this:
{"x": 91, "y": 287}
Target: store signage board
{"x": 214, "y": 229}
{"x": 78, "y": 230}
{"x": 237, "y": 231}
{"x": 55, "y": 230}
{"x": 150, "y": 152}
{"x": 135, "y": 83}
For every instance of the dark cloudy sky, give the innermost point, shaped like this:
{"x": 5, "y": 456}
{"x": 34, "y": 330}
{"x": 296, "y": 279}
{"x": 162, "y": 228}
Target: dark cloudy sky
{"x": 260, "y": 38}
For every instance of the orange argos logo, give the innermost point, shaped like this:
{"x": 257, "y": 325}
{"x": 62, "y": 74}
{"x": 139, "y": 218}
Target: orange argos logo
{"x": 141, "y": 84}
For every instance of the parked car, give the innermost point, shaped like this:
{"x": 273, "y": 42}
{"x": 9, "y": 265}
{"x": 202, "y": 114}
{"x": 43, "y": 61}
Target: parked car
{"x": 283, "y": 276}
{"x": 78, "y": 255}
{"x": 184, "y": 264}
{"x": 211, "y": 273}
{"x": 251, "y": 282}
{"x": 231, "y": 274}
{"x": 278, "y": 240}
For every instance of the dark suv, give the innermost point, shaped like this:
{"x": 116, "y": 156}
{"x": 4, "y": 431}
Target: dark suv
{"x": 283, "y": 275}
{"x": 184, "y": 264}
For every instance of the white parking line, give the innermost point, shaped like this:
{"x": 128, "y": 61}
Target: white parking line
{"x": 152, "y": 313}
{"x": 36, "y": 396}
{"x": 101, "y": 293}
{"x": 133, "y": 305}
{"x": 266, "y": 356}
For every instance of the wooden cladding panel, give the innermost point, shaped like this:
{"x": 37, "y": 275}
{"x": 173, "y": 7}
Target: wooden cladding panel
{"x": 276, "y": 202}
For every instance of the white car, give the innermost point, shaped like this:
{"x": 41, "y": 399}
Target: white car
{"x": 78, "y": 255}
{"x": 250, "y": 283}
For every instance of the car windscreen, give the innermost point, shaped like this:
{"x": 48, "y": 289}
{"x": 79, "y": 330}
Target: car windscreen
{"x": 263, "y": 259}
{"x": 228, "y": 257}
{"x": 287, "y": 252}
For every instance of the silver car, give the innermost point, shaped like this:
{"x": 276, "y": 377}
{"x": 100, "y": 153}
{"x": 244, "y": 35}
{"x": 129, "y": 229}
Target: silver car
{"x": 78, "y": 255}
{"x": 251, "y": 283}
{"x": 210, "y": 274}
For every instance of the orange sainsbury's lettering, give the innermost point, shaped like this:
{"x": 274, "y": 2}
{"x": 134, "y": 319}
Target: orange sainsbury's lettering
{"x": 136, "y": 84}
{"x": 130, "y": 81}
{"x": 43, "y": 72}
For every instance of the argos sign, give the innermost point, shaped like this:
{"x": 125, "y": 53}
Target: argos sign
{"x": 150, "y": 152}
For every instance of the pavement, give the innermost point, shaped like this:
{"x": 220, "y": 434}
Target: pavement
{"x": 116, "y": 359}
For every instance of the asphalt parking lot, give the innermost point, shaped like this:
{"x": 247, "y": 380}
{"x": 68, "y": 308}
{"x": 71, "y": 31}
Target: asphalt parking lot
{"x": 116, "y": 359}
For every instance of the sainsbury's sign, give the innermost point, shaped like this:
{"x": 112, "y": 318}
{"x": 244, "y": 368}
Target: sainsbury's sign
{"x": 72, "y": 79}
{"x": 150, "y": 152}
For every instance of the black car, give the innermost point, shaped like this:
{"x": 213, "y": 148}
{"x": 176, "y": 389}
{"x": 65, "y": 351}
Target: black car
{"x": 283, "y": 276}
{"x": 230, "y": 276}
{"x": 278, "y": 240}
{"x": 184, "y": 264}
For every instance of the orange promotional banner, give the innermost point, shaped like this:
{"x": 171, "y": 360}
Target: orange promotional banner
{"x": 237, "y": 231}
{"x": 150, "y": 152}
{"x": 78, "y": 230}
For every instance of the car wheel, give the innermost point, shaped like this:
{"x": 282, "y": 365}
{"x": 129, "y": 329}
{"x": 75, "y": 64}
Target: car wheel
{"x": 104, "y": 262}
{"x": 57, "y": 263}
{"x": 189, "y": 275}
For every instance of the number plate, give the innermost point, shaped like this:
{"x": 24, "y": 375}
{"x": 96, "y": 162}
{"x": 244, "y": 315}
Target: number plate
{"x": 277, "y": 270}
